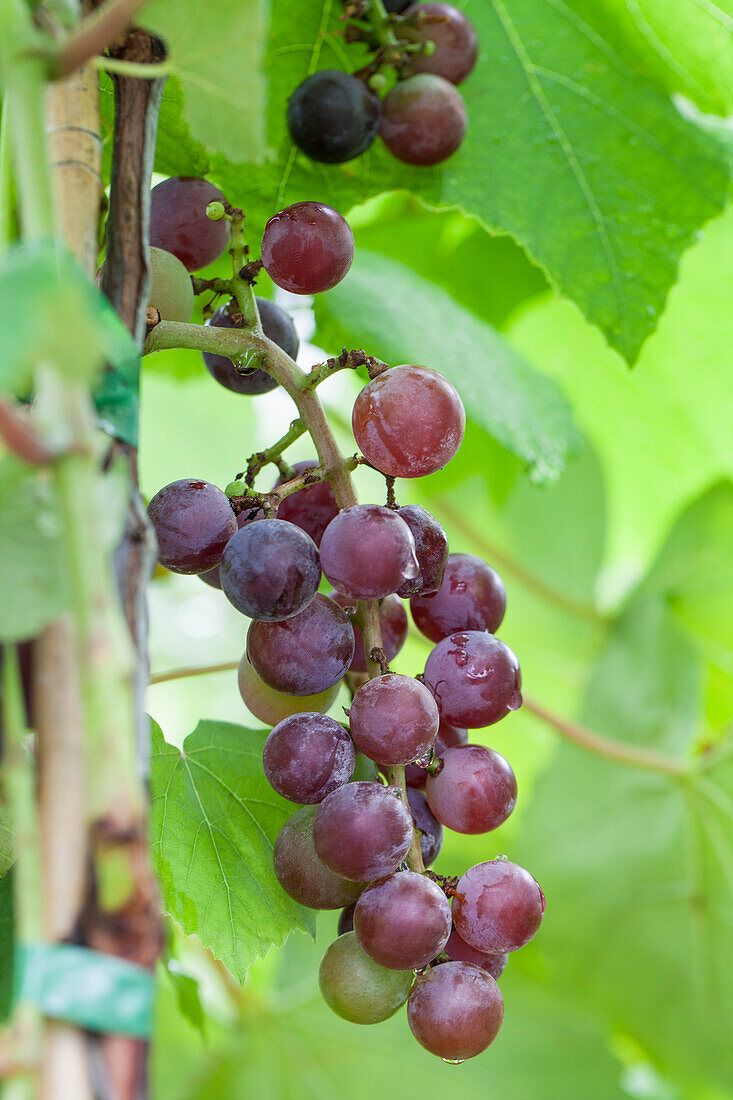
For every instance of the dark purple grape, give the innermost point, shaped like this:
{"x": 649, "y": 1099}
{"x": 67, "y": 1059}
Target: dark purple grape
{"x": 393, "y": 719}
{"x": 346, "y": 919}
{"x": 333, "y": 117}
{"x": 471, "y": 597}
{"x": 454, "y": 37}
{"x": 431, "y": 551}
{"x": 393, "y": 625}
{"x": 311, "y": 508}
{"x": 304, "y": 655}
{"x": 193, "y": 522}
{"x": 458, "y": 950}
{"x": 475, "y": 790}
{"x": 403, "y": 921}
{"x": 277, "y": 325}
{"x": 395, "y": 6}
{"x": 367, "y": 552}
{"x": 497, "y": 907}
{"x": 408, "y": 422}
{"x": 357, "y": 988}
{"x": 475, "y": 679}
{"x": 301, "y": 873}
{"x": 270, "y": 570}
{"x": 431, "y": 831}
{"x": 455, "y": 1011}
{"x": 363, "y": 831}
{"x": 272, "y": 706}
{"x": 307, "y": 756}
{"x": 307, "y": 248}
{"x": 424, "y": 120}
{"x": 179, "y": 224}
{"x": 211, "y": 576}
{"x": 448, "y": 736}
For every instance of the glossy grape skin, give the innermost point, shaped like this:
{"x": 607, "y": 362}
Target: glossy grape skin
{"x": 211, "y": 576}
{"x": 363, "y": 831}
{"x": 171, "y": 290}
{"x": 301, "y": 873}
{"x": 333, "y": 117}
{"x": 403, "y": 921}
{"x": 367, "y": 552}
{"x": 431, "y": 831}
{"x": 408, "y": 422}
{"x": 357, "y": 988}
{"x": 306, "y": 654}
{"x": 307, "y": 756}
{"x": 474, "y": 792}
{"x": 497, "y": 907}
{"x": 471, "y": 597}
{"x": 455, "y": 1011}
{"x": 475, "y": 679}
{"x": 277, "y": 325}
{"x": 270, "y": 570}
{"x": 454, "y": 37}
{"x": 431, "y": 551}
{"x": 424, "y": 120}
{"x": 448, "y": 736}
{"x": 346, "y": 920}
{"x": 393, "y": 719}
{"x": 311, "y": 508}
{"x": 179, "y": 224}
{"x": 272, "y": 706}
{"x": 393, "y": 626}
{"x": 458, "y": 950}
{"x": 193, "y": 522}
{"x": 307, "y": 248}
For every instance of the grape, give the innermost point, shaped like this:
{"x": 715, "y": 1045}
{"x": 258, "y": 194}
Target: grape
{"x": 459, "y": 951}
{"x": 301, "y": 873}
{"x": 431, "y": 838}
{"x": 448, "y": 736}
{"x": 424, "y": 120}
{"x": 367, "y": 552}
{"x": 408, "y": 422}
{"x": 498, "y": 907}
{"x": 179, "y": 223}
{"x": 307, "y": 248}
{"x": 403, "y": 921}
{"x": 171, "y": 290}
{"x": 346, "y": 919}
{"x": 272, "y": 706}
{"x": 395, "y": 5}
{"x": 357, "y": 988}
{"x": 474, "y": 792}
{"x": 454, "y": 36}
{"x": 455, "y": 1011}
{"x": 193, "y": 522}
{"x": 211, "y": 576}
{"x": 277, "y": 325}
{"x": 307, "y": 756}
{"x": 306, "y": 654}
{"x": 311, "y": 508}
{"x": 475, "y": 679}
{"x": 393, "y": 626}
{"x": 333, "y": 117}
{"x": 363, "y": 831}
{"x": 393, "y": 719}
{"x": 471, "y": 597}
{"x": 270, "y": 570}
{"x": 431, "y": 551}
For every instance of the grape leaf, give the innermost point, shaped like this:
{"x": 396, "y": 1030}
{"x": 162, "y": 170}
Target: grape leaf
{"x": 7, "y": 855}
{"x": 7, "y": 945}
{"x": 214, "y": 823}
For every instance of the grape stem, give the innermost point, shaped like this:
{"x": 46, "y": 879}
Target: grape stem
{"x": 94, "y": 33}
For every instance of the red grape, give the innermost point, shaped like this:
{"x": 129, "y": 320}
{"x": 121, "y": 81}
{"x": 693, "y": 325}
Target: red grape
{"x": 393, "y": 625}
{"x": 475, "y": 790}
{"x": 475, "y": 679}
{"x": 458, "y": 950}
{"x": 333, "y": 117}
{"x": 301, "y": 873}
{"x": 455, "y": 1011}
{"x": 270, "y": 570}
{"x": 307, "y": 248}
{"x": 193, "y": 522}
{"x": 448, "y": 736}
{"x": 430, "y": 829}
{"x": 408, "y": 422}
{"x": 179, "y": 224}
{"x": 431, "y": 551}
{"x": 311, "y": 508}
{"x": 306, "y": 654}
{"x": 403, "y": 921}
{"x": 497, "y": 907}
{"x": 471, "y": 597}
{"x": 367, "y": 552}
{"x": 277, "y": 325}
{"x": 272, "y": 706}
{"x": 393, "y": 719}
{"x": 307, "y": 756}
{"x": 363, "y": 831}
{"x": 211, "y": 576}
{"x": 424, "y": 120}
{"x": 454, "y": 36}
{"x": 357, "y": 988}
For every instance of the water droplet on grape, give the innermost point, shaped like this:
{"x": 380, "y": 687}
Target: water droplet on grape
{"x": 453, "y": 1061}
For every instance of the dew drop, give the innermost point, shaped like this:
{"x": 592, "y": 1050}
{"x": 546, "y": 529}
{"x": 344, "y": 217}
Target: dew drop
{"x": 453, "y": 1061}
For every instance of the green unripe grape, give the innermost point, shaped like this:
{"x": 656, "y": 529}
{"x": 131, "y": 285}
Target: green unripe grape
{"x": 272, "y": 706}
{"x": 216, "y": 211}
{"x": 171, "y": 291}
{"x": 358, "y": 989}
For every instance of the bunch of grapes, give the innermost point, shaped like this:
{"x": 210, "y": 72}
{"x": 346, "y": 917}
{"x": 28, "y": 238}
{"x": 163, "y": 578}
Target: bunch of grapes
{"x": 375, "y": 793}
{"x": 333, "y": 116}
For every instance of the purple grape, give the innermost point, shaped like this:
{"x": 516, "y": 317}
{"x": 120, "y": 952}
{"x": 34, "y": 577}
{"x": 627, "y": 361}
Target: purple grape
{"x": 403, "y": 921}
{"x": 301, "y": 873}
{"x": 455, "y": 1011}
{"x": 454, "y": 37}
{"x": 471, "y": 597}
{"x": 367, "y": 552}
{"x": 393, "y": 627}
{"x": 393, "y": 719}
{"x": 346, "y": 919}
{"x": 211, "y": 576}
{"x": 277, "y": 325}
{"x": 272, "y": 706}
{"x": 458, "y": 950}
{"x": 307, "y": 248}
{"x": 333, "y": 117}
{"x": 363, "y": 831}
{"x": 448, "y": 736}
{"x": 270, "y": 570}
{"x": 475, "y": 679}
{"x": 430, "y": 829}
{"x": 474, "y": 792}
{"x": 497, "y": 907}
{"x": 424, "y": 120}
{"x": 307, "y": 756}
{"x": 311, "y": 508}
{"x": 306, "y": 654}
{"x": 193, "y": 522}
{"x": 357, "y": 988}
{"x": 431, "y": 550}
{"x": 179, "y": 224}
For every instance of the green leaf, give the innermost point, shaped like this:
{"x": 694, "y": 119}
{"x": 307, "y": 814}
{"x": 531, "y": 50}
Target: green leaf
{"x": 187, "y": 995}
{"x": 215, "y": 820}
{"x": 7, "y": 945}
{"x": 7, "y": 854}
{"x": 376, "y": 307}
{"x": 176, "y": 152}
